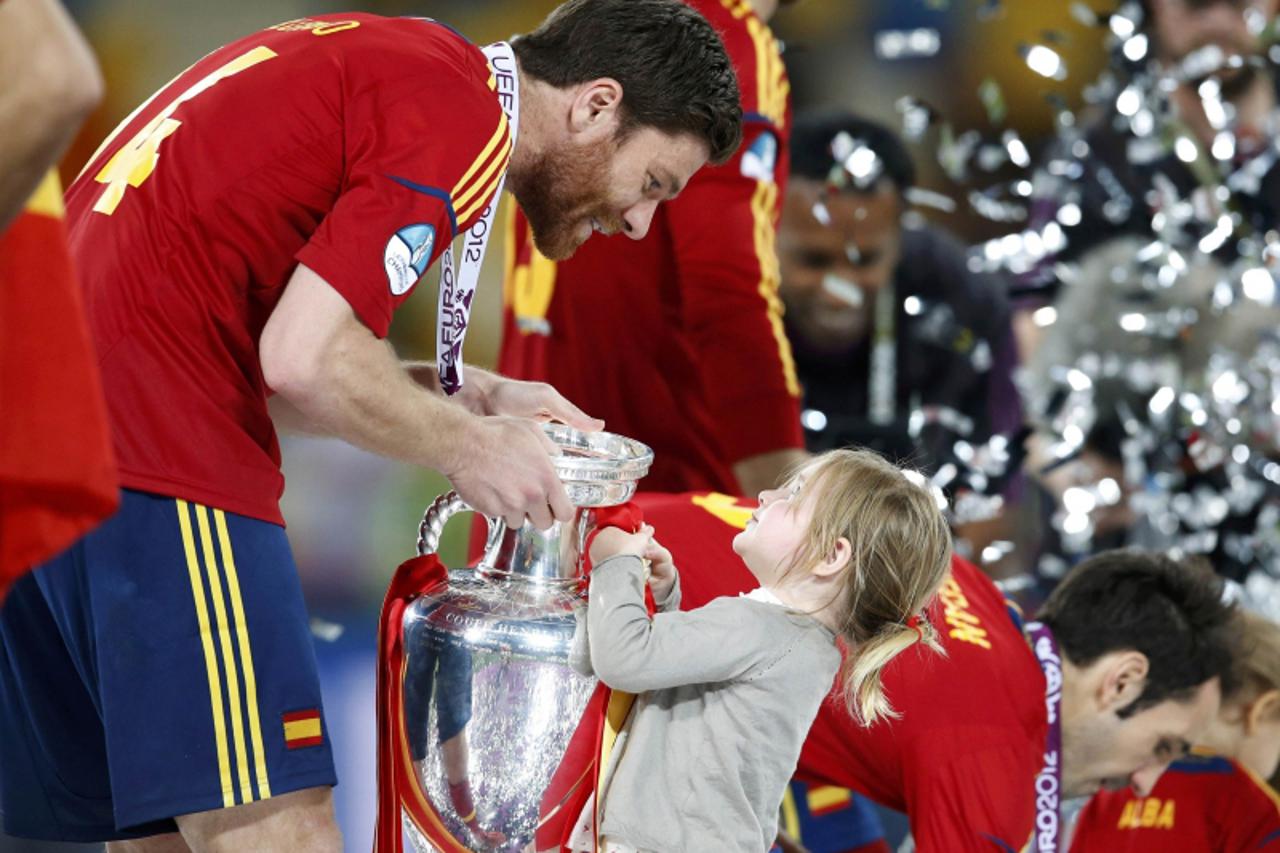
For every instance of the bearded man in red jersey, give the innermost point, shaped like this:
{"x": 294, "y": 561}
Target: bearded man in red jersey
{"x": 249, "y": 232}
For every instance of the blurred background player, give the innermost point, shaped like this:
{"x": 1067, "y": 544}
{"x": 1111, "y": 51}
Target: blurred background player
{"x": 1215, "y": 800}
{"x": 898, "y": 345}
{"x": 885, "y": 318}
{"x": 677, "y": 339}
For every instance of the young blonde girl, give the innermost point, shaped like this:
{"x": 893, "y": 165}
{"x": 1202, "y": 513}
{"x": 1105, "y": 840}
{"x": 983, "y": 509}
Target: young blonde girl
{"x": 847, "y": 552}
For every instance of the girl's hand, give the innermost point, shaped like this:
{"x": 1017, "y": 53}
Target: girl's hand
{"x": 662, "y": 569}
{"x": 611, "y": 542}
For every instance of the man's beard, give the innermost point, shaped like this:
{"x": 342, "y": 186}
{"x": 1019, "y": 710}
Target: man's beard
{"x": 561, "y": 190}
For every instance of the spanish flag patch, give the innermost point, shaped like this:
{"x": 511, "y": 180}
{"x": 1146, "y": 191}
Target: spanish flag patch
{"x": 825, "y": 799}
{"x": 302, "y": 728}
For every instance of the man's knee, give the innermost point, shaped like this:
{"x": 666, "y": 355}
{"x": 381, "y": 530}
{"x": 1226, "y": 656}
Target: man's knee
{"x": 297, "y": 822}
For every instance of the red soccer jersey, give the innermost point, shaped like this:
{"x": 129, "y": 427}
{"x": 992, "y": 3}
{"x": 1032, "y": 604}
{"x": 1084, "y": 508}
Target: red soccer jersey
{"x": 356, "y": 145}
{"x": 1202, "y": 804}
{"x": 962, "y": 760}
{"x": 677, "y": 339}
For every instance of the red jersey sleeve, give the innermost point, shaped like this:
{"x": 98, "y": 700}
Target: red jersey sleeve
{"x": 425, "y": 152}
{"x": 723, "y": 228}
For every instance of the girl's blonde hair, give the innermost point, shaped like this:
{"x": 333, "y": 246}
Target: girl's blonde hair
{"x": 901, "y": 553}
{"x": 1257, "y": 665}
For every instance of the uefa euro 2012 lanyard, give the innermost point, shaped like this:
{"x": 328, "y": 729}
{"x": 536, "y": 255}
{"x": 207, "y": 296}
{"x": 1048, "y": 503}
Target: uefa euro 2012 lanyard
{"x": 1048, "y": 829}
{"x": 457, "y": 291}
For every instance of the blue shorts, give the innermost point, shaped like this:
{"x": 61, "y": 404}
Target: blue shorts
{"x": 161, "y": 666}
{"x": 829, "y": 820}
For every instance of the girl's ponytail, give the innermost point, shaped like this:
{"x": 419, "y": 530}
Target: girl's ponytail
{"x": 861, "y": 674}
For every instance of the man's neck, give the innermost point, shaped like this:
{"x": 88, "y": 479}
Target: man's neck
{"x": 1074, "y": 684}
{"x": 533, "y": 107}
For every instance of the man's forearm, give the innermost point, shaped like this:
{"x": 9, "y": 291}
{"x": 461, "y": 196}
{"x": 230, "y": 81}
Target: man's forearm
{"x": 362, "y": 394}
{"x": 51, "y": 84}
{"x": 472, "y": 396}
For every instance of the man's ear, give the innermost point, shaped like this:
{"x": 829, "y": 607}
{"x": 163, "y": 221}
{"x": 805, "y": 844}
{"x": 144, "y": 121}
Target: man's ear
{"x": 596, "y": 109}
{"x": 1123, "y": 677}
{"x": 1261, "y": 710}
{"x": 836, "y": 561}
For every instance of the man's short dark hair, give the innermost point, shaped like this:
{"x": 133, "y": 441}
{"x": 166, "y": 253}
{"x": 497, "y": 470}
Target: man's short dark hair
{"x": 1171, "y": 610}
{"x": 675, "y": 74}
{"x": 812, "y": 155}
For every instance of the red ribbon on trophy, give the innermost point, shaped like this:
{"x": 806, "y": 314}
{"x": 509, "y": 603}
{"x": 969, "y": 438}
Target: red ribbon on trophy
{"x": 398, "y": 790}
{"x": 582, "y": 769}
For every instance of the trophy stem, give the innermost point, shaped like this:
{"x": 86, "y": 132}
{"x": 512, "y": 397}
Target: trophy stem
{"x": 549, "y": 557}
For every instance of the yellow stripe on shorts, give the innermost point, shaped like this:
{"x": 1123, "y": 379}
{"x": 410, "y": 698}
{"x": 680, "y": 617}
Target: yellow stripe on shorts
{"x": 246, "y": 654}
{"x": 210, "y": 656}
{"x": 223, "y": 631}
{"x": 228, "y": 656}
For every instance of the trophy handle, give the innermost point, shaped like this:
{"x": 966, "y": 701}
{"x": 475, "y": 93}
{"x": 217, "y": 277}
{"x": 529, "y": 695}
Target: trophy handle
{"x": 438, "y": 514}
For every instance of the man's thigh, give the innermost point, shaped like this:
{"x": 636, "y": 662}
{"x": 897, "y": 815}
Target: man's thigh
{"x": 170, "y": 842}
{"x": 187, "y": 627}
{"x": 297, "y": 822}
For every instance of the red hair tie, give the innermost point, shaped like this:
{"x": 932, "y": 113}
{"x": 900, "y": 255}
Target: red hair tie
{"x": 914, "y": 624}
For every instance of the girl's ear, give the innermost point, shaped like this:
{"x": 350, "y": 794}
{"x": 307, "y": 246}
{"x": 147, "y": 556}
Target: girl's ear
{"x": 1266, "y": 707}
{"x": 836, "y": 561}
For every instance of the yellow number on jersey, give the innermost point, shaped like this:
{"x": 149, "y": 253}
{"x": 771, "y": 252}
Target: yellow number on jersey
{"x": 137, "y": 158}
{"x": 725, "y": 508}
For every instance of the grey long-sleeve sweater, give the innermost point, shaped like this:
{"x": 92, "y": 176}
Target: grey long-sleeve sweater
{"x": 727, "y": 695}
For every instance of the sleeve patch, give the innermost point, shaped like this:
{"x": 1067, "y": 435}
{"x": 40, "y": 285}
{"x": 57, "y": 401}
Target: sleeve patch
{"x": 761, "y": 158}
{"x": 407, "y": 256}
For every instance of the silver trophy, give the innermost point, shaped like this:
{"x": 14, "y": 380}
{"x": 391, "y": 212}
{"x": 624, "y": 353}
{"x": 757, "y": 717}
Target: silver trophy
{"x": 490, "y": 702}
